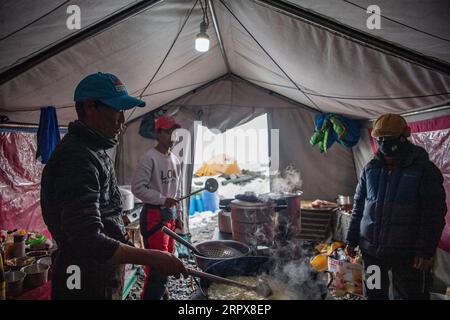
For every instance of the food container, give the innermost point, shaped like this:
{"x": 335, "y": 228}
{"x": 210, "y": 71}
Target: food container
{"x": 253, "y": 223}
{"x": 127, "y": 198}
{"x": 18, "y": 247}
{"x": 45, "y": 260}
{"x": 224, "y": 221}
{"x": 345, "y": 202}
{"x": 14, "y": 281}
{"x": 38, "y": 254}
{"x": 18, "y": 263}
{"x": 37, "y": 274}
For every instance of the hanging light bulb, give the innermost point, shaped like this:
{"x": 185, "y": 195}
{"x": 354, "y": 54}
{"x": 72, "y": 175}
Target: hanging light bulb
{"x": 202, "y": 38}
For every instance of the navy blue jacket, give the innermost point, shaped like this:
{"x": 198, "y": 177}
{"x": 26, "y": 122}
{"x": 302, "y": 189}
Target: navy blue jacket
{"x": 400, "y": 212}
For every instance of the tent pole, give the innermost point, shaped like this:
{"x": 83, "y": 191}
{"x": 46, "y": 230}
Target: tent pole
{"x": 432, "y": 109}
{"x": 76, "y": 38}
{"x": 382, "y": 45}
{"x": 218, "y": 34}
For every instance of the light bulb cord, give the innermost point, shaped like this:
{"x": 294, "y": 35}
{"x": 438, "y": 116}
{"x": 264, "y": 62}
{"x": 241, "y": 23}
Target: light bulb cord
{"x": 204, "y": 7}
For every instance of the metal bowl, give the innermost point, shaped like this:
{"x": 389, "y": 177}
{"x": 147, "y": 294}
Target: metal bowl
{"x": 14, "y": 281}
{"x": 37, "y": 274}
{"x": 45, "y": 260}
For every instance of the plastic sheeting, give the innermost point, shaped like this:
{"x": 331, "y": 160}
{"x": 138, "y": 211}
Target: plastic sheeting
{"x": 20, "y": 177}
{"x": 437, "y": 144}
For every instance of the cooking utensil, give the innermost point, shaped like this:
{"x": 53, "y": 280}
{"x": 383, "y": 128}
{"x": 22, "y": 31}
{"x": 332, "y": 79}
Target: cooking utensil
{"x": 315, "y": 288}
{"x": 45, "y": 260}
{"x": 37, "y": 274}
{"x": 224, "y": 218}
{"x": 181, "y": 240}
{"x": 253, "y": 222}
{"x": 209, "y": 252}
{"x": 14, "y": 280}
{"x": 262, "y": 288}
{"x": 211, "y": 185}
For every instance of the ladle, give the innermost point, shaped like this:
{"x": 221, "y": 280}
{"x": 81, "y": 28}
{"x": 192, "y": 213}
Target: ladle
{"x": 211, "y": 185}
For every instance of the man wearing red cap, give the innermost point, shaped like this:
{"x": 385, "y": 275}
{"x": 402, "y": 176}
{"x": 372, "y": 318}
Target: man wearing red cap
{"x": 157, "y": 182}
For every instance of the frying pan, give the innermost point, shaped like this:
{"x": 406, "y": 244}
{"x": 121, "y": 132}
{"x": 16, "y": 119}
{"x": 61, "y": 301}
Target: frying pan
{"x": 315, "y": 289}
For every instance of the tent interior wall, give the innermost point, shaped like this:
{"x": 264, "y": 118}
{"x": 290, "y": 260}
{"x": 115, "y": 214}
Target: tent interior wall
{"x": 264, "y": 57}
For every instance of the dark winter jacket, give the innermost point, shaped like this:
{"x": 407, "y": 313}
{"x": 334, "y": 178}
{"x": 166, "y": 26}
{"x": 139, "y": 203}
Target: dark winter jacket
{"x": 81, "y": 206}
{"x": 400, "y": 212}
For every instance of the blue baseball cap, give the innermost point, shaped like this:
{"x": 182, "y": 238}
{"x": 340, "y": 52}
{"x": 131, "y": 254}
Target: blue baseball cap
{"x": 108, "y": 89}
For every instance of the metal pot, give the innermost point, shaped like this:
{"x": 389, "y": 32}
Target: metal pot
{"x": 224, "y": 218}
{"x": 14, "y": 281}
{"x": 253, "y": 223}
{"x": 37, "y": 274}
{"x": 345, "y": 202}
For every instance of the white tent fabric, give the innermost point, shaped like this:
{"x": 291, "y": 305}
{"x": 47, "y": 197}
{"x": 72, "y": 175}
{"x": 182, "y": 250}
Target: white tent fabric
{"x": 420, "y": 25}
{"x": 305, "y": 62}
{"x": 230, "y": 102}
{"x": 27, "y": 27}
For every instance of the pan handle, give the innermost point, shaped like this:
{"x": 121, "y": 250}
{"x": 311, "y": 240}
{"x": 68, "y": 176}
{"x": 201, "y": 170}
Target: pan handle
{"x": 173, "y": 235}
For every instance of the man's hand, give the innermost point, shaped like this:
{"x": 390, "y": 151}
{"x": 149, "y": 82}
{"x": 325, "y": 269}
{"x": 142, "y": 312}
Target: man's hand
{"x": 167, "y": 264}
{"x": 350, "y": 251}
{"x": 422, "y": 263}
{"x": 179, "y": 224}
{"x": 170, "y": 202}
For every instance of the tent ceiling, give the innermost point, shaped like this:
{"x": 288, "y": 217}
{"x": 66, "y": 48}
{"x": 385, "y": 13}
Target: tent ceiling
{"x": 283, "y": 53}
{"x": 422, "y": 26}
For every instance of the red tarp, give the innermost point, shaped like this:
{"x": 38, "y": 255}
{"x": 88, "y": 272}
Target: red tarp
{"x": 20, "y": 177}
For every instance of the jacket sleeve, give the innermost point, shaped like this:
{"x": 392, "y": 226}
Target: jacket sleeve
{"x": 433, "y": 210}
{"x": 140, "y": 185}
{"x": 78, "y": 188}
{"x": 352, "y": 238}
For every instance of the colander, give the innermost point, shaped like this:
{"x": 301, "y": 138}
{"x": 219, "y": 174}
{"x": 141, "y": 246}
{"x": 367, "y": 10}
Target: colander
{"x": 209, "y": 252}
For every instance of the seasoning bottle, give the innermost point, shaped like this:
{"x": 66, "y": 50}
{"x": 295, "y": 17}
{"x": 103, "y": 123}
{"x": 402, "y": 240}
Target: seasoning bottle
{"x": 19, "y": 244}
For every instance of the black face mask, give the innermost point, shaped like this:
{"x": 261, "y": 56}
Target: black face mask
{"x": 390, "y": 147}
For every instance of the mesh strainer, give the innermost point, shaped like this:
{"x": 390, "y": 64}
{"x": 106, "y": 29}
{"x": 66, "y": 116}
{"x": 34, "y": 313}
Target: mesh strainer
{"x": 209, "y": 252}
{"x": 221, "y": 249}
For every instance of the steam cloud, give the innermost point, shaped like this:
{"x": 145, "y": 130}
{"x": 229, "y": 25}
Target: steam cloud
{"x": 287, "y": 182}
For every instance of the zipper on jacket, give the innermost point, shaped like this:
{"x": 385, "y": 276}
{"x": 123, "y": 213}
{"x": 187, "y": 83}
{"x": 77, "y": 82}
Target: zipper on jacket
{"x": 383, "y": 217}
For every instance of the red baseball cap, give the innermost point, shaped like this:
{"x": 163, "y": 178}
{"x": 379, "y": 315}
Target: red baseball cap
{"x": 166, "y": 122}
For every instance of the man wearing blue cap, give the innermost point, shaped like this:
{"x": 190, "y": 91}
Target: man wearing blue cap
{"x": 81, "y": 202}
